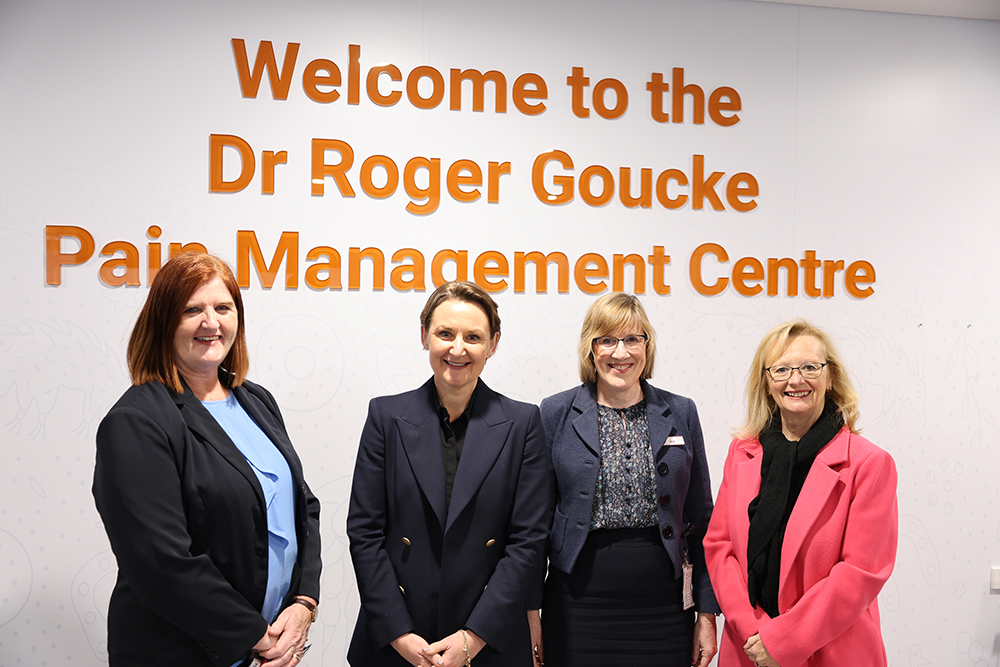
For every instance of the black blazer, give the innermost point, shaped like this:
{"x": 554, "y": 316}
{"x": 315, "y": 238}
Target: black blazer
{"x": 425, "y": 568}
{"x": 186, "y": 518}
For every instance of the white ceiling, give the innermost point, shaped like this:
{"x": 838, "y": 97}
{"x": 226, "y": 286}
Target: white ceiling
{"x": 966, "y": 9}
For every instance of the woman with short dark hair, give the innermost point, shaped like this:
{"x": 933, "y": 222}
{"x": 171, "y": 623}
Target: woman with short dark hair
{"x": 448, "y": 514}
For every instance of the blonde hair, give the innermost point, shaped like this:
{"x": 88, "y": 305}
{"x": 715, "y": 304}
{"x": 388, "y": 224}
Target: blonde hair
{"x": 610, "y": 313}
{"x": 761, "y": 406}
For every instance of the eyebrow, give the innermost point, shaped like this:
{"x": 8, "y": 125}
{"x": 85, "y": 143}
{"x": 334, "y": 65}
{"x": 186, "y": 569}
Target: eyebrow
{"x": 220, "y": 303}
{"x": 440, "y": 327}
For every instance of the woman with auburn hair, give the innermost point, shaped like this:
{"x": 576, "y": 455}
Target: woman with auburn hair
{"x": 804, "y": 532}
{"x": 202, "y": 495}
{"x": 632, "y": 500}
{"x": 448, "y": 514}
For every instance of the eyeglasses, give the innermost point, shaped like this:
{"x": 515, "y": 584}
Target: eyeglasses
{"x": 631, "y": 342}
{"x": 808, "y": 371}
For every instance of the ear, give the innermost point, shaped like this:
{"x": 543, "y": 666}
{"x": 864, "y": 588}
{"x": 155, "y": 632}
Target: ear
{"x": 493, "y": 345}
{"x": 423, "y": 338}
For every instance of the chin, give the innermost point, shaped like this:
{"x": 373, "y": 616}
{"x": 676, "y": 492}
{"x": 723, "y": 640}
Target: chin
{"x": 457, "y": 379}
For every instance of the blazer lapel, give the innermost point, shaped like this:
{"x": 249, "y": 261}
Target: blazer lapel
{"x": 585, "y": 422}
{"x": 202, "y": 423}
{"x": 820, "y": 483}
{"x": 420, "y": 435}
{"x": 744, "y": 485}
{"x": 662, "y": 423}
{"x": 268, "y": 423}
{"x": 484, "y": 440}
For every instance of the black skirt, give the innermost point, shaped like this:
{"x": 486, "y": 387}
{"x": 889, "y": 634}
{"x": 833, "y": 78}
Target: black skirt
{"x": 621, "y": 605}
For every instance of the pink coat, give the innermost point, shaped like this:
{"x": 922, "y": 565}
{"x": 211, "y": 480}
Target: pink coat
{"x": 839, "y": 549}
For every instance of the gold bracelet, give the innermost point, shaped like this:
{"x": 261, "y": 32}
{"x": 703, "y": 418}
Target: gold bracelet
{"x": 468, "y": 660}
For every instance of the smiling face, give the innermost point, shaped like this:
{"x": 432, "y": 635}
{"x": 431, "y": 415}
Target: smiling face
{"x": 206, "y": 331}
{"x": 619, "y": 370}
{"x": 458, "y": 339}
{"x": 800, "y": 400}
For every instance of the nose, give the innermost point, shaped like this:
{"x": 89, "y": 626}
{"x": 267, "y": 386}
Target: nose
{"x": 620, "y": 350}
{"x": 795, "y": 371}
{"x": 211, "y": 318}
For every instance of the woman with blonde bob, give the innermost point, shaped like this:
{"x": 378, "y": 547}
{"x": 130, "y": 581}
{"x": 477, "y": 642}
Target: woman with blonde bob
{"x": 803, "y": 536}
{"x": 632, "y": 501}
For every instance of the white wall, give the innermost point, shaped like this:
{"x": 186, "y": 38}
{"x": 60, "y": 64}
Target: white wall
{"x": 873, "y": 137}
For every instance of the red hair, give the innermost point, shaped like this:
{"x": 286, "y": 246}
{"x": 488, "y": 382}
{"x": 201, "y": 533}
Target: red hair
{"x": 151, "y": 352}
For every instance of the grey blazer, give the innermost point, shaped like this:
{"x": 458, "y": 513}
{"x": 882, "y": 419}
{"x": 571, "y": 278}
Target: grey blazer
{"x": 683, "y": 489}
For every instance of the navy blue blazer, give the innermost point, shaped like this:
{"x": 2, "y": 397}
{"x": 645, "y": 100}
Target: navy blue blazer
{"x": 683, "y": 489}
{"x": 187, "y": 520}
{"x": 432, "y": 569}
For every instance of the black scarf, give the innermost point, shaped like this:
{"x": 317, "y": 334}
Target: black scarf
{"x": 783, "y": 471}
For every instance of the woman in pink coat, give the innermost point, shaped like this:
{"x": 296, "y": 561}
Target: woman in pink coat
{"x": 804, "y": 531}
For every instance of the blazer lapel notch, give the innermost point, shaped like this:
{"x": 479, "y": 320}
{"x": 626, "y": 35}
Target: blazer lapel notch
{"x": 201, "y": 422}
{"x": 585, "y": 421}
{"x": 747, "y": 476}
{"x": 661, "y": 420}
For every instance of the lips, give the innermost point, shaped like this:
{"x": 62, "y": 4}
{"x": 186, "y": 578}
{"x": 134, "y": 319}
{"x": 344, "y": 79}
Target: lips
{"x": 208, "y": 339}
{"x": 456, "y": 365}
{"x": 797, "y": 394}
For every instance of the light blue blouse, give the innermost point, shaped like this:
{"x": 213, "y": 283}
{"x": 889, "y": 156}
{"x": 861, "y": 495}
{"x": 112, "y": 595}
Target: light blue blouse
{"x": 278, "y": 486}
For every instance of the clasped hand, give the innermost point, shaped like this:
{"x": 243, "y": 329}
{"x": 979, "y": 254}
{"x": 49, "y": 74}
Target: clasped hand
{"x": 285, "y": 639}
{"x": 448, "y": 652}
{"x": 754, "y": 648}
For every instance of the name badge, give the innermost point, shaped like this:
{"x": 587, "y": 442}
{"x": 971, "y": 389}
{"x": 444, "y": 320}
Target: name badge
{"x": 674, "y": 440}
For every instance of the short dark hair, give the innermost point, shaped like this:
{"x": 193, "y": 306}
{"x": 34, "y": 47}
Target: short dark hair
{"x": 467, "y": 292}
{"x": 151, "y": 354}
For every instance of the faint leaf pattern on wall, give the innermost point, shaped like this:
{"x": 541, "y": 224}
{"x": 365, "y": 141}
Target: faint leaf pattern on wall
{"x": 44, "y": 359}
{"x": 36, "y": 486}
{"x": 963, "y": 359}
{"x": 914, "y": 530}
{"x": 892, "y": 376}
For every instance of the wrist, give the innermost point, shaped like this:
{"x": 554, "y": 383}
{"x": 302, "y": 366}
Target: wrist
{"x": 308, "y": 603}
{"x": 476, "y": 643}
